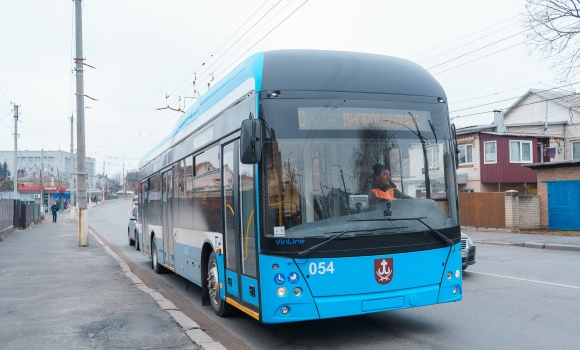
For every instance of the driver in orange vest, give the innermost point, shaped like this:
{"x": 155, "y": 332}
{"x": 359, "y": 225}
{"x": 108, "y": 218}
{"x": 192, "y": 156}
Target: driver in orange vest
{"x": 383, "y": 189}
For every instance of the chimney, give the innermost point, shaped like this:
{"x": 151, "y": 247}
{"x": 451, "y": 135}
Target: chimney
{"x": 498, "y": 121}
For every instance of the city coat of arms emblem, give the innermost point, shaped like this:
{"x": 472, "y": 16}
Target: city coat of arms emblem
{"x": 384, "y": 270}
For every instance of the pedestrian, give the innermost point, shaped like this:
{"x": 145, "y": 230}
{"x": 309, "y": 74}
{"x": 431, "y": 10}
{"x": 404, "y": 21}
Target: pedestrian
{"x": 54, "y": 209}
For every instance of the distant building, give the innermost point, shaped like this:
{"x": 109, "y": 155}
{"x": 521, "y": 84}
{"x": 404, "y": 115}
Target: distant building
{"x": 542, "y": 126}
{"x": 56, "y": 166}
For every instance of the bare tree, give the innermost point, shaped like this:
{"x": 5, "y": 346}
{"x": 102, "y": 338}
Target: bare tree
{"x": 553, "y": 28}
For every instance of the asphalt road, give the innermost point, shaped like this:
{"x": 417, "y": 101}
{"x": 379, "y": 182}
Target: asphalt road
{"x": 514, "y": 298}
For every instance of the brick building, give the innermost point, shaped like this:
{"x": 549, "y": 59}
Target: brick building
{"x": 554, "y": 179}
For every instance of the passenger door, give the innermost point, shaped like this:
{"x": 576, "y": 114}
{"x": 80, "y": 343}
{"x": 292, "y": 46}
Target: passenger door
{"x": 167, "y": 219}
{"x": 239, "y": 230}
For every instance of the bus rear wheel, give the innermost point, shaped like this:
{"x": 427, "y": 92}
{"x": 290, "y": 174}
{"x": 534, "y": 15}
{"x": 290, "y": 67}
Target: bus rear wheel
{"x": 220, "y": 307}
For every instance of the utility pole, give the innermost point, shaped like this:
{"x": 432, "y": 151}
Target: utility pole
{"x": 124, "y": 183}
{"x": 83, "y": 229}
{"x": 42, "y": 181}
{"x": 72, "y": 168}
{"x": 15, "y": 152}
{"x": 104, "y": 181}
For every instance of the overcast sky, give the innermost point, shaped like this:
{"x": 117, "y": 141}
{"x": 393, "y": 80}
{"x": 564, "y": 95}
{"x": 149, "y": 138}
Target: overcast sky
{"x": 144, "y": 49}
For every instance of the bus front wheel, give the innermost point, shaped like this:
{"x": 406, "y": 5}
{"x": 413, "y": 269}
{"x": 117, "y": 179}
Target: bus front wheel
{"x": 220, "y": 307}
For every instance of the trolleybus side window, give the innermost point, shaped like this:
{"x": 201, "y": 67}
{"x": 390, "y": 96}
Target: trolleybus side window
{"x": 207, "y": 191}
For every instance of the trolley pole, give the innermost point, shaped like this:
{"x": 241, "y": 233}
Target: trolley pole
{"x": 15, "y": 170}
{"x": 83, "y": 228}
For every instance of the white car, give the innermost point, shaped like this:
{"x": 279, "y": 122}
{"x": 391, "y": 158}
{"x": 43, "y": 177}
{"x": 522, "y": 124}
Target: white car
{"x": 467, "y": 250}
{"x": 134, "y": 228}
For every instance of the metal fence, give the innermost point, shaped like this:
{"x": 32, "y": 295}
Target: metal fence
{"x": 26, "y": 215}
{"x": 482, "y": 209}
{"x": 6, "y": 213}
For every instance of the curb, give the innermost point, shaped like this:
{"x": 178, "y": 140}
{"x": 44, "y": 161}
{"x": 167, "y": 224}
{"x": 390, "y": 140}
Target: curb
{"x": 189, "y": 326}
{"x": 535, "y": 245}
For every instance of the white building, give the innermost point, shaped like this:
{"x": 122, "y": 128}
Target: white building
{"x": 56, "y": 163}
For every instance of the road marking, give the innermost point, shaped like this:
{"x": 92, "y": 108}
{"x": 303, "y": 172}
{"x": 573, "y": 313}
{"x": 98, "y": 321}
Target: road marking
{"x": 526, "y": 280}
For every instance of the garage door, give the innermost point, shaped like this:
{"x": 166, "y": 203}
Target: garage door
{"x": 564, "y": 205}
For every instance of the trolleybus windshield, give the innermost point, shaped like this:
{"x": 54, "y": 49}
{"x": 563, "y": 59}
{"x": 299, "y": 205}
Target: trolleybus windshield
{"x": 322, "y": 167}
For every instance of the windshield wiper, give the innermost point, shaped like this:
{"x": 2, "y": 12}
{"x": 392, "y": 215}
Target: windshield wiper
{"x": 314, "y": 247}
{"x": 439, "y": 234}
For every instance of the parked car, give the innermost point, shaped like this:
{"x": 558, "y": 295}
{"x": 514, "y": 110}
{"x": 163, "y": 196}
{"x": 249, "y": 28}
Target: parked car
{"x": 134, "y": 228}
{"x": 467, "y": 250}
{"x": 121, "y": 192}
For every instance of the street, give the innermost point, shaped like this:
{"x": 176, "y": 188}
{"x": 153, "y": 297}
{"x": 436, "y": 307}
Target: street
{"x": 513, "y": 298}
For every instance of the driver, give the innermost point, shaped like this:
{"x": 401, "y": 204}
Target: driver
{"x": 382, "y": 189}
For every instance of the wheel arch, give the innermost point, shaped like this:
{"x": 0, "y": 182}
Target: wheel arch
{"x": 206, "y": 251}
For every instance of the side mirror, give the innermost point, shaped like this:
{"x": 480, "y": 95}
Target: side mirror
{"x": 251, "y": 141}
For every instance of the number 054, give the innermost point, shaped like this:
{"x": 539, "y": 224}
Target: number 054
{"x": 321, "y": 268}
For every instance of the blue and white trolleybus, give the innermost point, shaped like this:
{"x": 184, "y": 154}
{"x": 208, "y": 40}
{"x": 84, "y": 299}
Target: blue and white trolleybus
{"x": 309, "y": 185}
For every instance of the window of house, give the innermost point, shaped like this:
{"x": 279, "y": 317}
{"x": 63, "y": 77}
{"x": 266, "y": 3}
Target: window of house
{"x": 520, "y": 151}
{"x": 575, "y": 150}
{"x": 490, "y": 151}
{"x": 432, "y": 157}
{"x": 465, "y": 154}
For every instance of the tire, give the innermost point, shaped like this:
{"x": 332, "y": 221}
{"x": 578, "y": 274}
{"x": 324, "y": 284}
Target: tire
{"x": 137, "y": 241}
{"x": 154, "y": 259}
{"x": 131, "y": 241}
{"x": 220, "y": 307}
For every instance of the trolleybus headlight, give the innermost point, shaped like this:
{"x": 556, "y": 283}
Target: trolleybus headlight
{"x": 275, "y": 267}
{"x": 449, "y": 275}
{"x": 281, "y": 292}
{"x": 455, "y": 290}
{"x": 297, "y": 291}
{"x": 284, "y": 310}
{"x": 457, "y": 273}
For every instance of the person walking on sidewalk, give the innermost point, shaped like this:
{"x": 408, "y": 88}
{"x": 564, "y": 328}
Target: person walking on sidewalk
{"x": 54, "y": 210}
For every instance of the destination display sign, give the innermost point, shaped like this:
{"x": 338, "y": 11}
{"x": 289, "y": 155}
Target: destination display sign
{"x": 314, "y": 118}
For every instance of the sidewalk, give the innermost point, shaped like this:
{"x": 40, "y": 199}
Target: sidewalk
{"x": 503, "y": 237}
{"x": 56, "y": 295}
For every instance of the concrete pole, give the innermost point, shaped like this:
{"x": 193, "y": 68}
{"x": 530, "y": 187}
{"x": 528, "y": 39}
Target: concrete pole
{"x": 104, "y": 181}
{"x": 83, "y": 228}
{"x": 72, "y": 168}
{"x": 15, "y": 170}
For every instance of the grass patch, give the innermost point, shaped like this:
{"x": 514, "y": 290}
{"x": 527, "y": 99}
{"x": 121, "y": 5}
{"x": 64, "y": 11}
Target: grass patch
{"x": 551, "y": 232}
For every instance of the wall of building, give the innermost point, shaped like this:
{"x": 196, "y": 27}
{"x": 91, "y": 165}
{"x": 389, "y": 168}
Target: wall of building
{"x": 532, "y": 109}
{"x": 471, "y": 169}
{"x": 503, "y": 170}
{"x": 561, "y": 173}
{"x": 521, "y": 212}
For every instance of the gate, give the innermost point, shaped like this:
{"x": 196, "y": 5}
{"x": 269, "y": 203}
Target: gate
{"x": 564, "y": 205}
{"x": 482, "y": 209}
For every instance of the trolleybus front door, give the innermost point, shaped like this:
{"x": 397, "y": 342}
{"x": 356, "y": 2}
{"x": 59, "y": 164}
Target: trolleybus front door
{"x": 240, "y": 244}
{"x": 167, "y": 219}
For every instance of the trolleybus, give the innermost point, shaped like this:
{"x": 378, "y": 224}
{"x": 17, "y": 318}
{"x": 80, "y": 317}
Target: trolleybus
{"x": 265, "y": 192}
